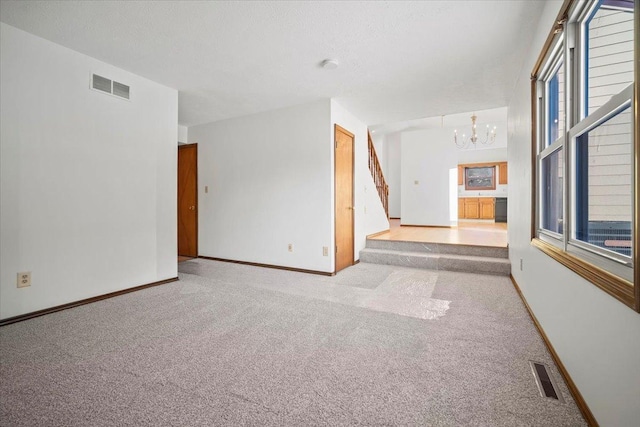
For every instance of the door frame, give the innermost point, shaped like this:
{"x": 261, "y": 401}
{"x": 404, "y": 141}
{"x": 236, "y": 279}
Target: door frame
{"x": 195, "y": 147}
{"x": 337, "y": 128}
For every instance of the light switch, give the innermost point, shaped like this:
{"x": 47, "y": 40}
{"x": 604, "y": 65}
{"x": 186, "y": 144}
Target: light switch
{"x": 416, "y": 182}
{"x": 206, "y": 188}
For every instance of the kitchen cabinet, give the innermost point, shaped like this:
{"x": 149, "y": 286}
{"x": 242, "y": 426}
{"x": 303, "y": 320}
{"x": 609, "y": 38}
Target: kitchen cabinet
{"x": 476, "y": 208}
{"x": 502, "y": 173}
{"x": 471, "y": 208}
{"x": 487, "y": 208}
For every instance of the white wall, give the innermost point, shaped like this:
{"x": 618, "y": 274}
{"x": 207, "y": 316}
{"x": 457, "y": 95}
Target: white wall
{"x": 370, "y": 216}
{"x": 394, "y": 179}
{"x": 481, "y": 156}
{"x": 269, "y": 177}
{"x": 88, "y": 180}
{"x": 596, "y": 337}
{"x": 427, "y": 156}
{"x": 183, "y": 134}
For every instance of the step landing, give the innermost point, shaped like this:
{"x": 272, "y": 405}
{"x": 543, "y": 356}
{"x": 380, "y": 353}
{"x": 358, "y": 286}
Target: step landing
{"x": 438, "y": 256}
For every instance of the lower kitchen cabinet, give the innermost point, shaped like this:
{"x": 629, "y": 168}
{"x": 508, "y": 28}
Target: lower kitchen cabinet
{"x": 476, "y": 208}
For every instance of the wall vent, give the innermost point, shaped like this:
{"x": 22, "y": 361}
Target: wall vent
{"x": 546, "y": 385}
{"x": 121, "y": 90}
{"x": 103, "y": 84}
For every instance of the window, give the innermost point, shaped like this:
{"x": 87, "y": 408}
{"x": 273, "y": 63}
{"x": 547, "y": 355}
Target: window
{"x": 551, "y": 218}
{"x": 608, "y": 51}
{"x": 480, "y": 178}
{"x": 585, "y": 145}
{"x": 551, "y": 154}
{"x": 555, "y": 103}
{"x": 603, "y": 186}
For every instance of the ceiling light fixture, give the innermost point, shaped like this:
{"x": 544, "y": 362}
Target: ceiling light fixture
{"x": 465, "y": 142}
{"x": 329, "y": 64}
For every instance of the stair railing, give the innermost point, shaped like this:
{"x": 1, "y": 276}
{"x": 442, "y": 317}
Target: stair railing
{"x": 378, "y": 177}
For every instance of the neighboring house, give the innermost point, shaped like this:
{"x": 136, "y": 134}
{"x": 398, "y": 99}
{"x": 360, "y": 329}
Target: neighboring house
{"x": 88, "y": 201}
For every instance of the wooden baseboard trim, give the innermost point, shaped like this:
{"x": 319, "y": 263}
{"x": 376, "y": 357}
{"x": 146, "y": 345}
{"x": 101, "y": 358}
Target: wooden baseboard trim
{"x": 39, "y": 313}
{"x": 277, "y": 267}
{"x": 369, "y": 236}
{"x": 577, "y": 397}
{"x": 427, "y": 226}
{"x": 393, "y": 217}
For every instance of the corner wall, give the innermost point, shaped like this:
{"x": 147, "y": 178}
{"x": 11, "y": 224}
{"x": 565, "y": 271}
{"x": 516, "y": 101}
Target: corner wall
{"x": 183, "y": 134}
{"x": 269, "y": 180}
{"x": 88, "y": 180}
{"x": 596, "y": 337}
{"x": 427, "y": 156}
{"x": 369, "y": 214}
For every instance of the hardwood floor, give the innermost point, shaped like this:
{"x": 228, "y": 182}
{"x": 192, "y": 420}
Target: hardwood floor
{"x": 466, "y": 233}
{"x": 184, "y": 258}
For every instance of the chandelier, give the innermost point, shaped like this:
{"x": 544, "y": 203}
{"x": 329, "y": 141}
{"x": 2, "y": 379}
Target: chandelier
{"x": 465, "y": 142}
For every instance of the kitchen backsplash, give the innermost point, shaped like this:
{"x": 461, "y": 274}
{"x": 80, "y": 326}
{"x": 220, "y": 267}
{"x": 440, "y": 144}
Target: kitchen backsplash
{"x": 500, "y": 191}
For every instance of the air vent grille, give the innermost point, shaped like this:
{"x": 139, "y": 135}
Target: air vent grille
{"x": 103, "y": 84}
{"x": 121, "y": 90}
{"x": 545, "y": 382}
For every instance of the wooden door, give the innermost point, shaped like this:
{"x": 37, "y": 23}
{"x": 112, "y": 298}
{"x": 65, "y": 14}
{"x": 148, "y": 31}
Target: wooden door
{"x": 344, "y": 142}
{"x": 188, "y": 200}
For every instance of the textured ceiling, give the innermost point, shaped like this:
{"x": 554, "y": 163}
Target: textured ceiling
{"x": 462, "y": 121}
{"x": 398, "y": 60}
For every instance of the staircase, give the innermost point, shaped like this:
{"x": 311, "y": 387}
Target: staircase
{"x": 378, "y": 177}
{"x": 438, "y": 256}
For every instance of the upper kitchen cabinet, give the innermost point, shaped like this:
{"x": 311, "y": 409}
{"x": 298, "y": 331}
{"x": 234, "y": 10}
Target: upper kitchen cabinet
{"x": 502, "y": 173}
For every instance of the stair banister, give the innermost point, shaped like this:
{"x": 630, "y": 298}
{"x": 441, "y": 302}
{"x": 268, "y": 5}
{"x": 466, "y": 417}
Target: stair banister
{"x": 378, "y": 176}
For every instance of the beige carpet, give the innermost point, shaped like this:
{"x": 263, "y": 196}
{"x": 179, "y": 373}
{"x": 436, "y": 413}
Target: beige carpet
{"x": 238, "y": 345}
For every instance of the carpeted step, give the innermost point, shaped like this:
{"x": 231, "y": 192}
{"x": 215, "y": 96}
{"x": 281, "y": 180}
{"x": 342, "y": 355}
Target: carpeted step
{"x": 437, "y": 261}
{"x": 439, "y": 248}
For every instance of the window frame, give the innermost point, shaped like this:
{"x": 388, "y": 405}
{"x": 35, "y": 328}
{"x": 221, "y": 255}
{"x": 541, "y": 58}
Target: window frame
{"x": 545, "y": 147}
{"x": 611, "y": 273}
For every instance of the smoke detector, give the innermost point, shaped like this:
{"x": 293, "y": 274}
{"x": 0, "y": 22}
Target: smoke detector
{"x": 329, "y": 64}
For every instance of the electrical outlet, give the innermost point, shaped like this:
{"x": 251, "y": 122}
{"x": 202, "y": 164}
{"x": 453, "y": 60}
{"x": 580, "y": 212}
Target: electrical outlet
{"x": 416, "y": 182}
{"x": 325, "y": 251}
{"x": 290, "y": 247}
{"x": 24, "y": 279}
{"x": 520, "y": 264}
